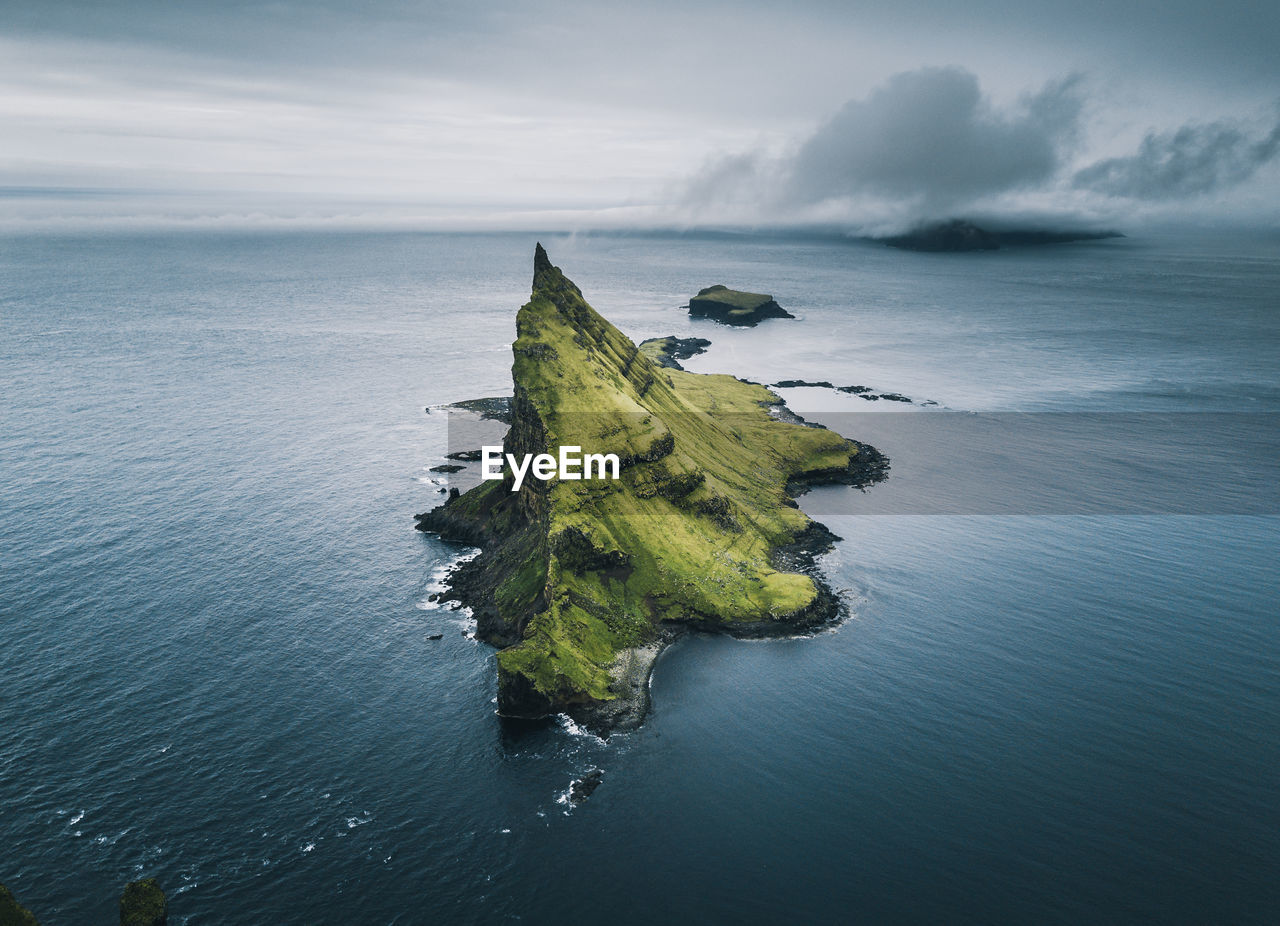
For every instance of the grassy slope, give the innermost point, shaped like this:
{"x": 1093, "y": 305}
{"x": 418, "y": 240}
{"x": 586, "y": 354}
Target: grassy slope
{"x": 736, "y": 299}
{"x": 686, "y": 533}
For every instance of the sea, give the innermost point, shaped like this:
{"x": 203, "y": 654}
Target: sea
{"x": 217, "y": 663}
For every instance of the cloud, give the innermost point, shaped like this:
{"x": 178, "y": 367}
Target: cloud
{"x": 442, "y": 101}
{"x": 923, "y": 144}
{"x": 1190, "y": 161}
{"x": 929, "y": 144}
{"x": 930, "y": 136}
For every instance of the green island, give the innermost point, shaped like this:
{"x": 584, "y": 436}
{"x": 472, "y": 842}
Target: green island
{"x": 734, "y": 307}
{"x": 581, "y": 583}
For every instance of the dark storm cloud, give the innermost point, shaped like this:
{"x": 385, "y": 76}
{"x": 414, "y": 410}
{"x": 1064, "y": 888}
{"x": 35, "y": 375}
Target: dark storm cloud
{"x": 921, "y": 144}
{"x": 930, "y": 135}
{"x": 658, "y": 41}
{"x": 1190, "y": 161}
{"x": 928, "y": 144}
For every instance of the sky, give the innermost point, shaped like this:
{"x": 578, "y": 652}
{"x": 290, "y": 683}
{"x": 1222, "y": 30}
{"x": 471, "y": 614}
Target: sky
{"x": 569, "y": 114}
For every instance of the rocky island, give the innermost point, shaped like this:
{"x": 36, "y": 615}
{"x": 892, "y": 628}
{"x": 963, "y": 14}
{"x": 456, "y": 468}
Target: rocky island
{"x": 581, "y": 583}
{"x": 734, "y": 307}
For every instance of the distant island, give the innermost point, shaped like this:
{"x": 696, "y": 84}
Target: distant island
{"x": 734, "y": 307}
{"x": 582, "y": 583}
{"x": 963, "y": 235}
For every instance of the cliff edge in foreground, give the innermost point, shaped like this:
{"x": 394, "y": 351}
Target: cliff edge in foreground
{"x": 580, "y": 583}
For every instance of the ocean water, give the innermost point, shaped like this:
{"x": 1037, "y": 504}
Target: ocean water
{"x": 214, "y": 626}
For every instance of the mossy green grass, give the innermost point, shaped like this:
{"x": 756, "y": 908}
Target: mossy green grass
{"x": 687, "y": 534}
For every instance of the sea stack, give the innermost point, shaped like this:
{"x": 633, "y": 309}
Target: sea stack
{"x": 582, "y": 581}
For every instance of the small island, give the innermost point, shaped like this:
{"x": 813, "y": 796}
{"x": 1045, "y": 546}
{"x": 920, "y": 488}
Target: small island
{"x": 734, "y": 307}
{"x": 582, "y": 583}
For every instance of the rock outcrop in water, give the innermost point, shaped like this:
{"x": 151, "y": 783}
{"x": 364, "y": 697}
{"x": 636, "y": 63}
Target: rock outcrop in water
{"x": 143, "y": 904}
{"x": 734, "y": 307}
{"x": 669, "y": 351}
{"x": 581, "y": 583}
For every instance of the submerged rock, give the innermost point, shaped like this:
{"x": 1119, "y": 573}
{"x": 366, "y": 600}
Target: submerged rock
{"x": 143, "y": 904}
{"x": 582, "y": 788}
{"x": 734, "y": 307}
{"x": 581, "y": 583}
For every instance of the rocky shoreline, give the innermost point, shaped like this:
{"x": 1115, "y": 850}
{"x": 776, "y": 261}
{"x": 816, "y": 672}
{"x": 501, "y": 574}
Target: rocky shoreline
{"x": 633, "y": 670}
{"x": 669, "y": 351}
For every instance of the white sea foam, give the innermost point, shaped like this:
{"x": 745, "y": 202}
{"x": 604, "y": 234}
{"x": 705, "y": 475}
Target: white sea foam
{"x": 571, "y": 727}
{"x": 438, "y": 584}
{"x": 309, "y": 847}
